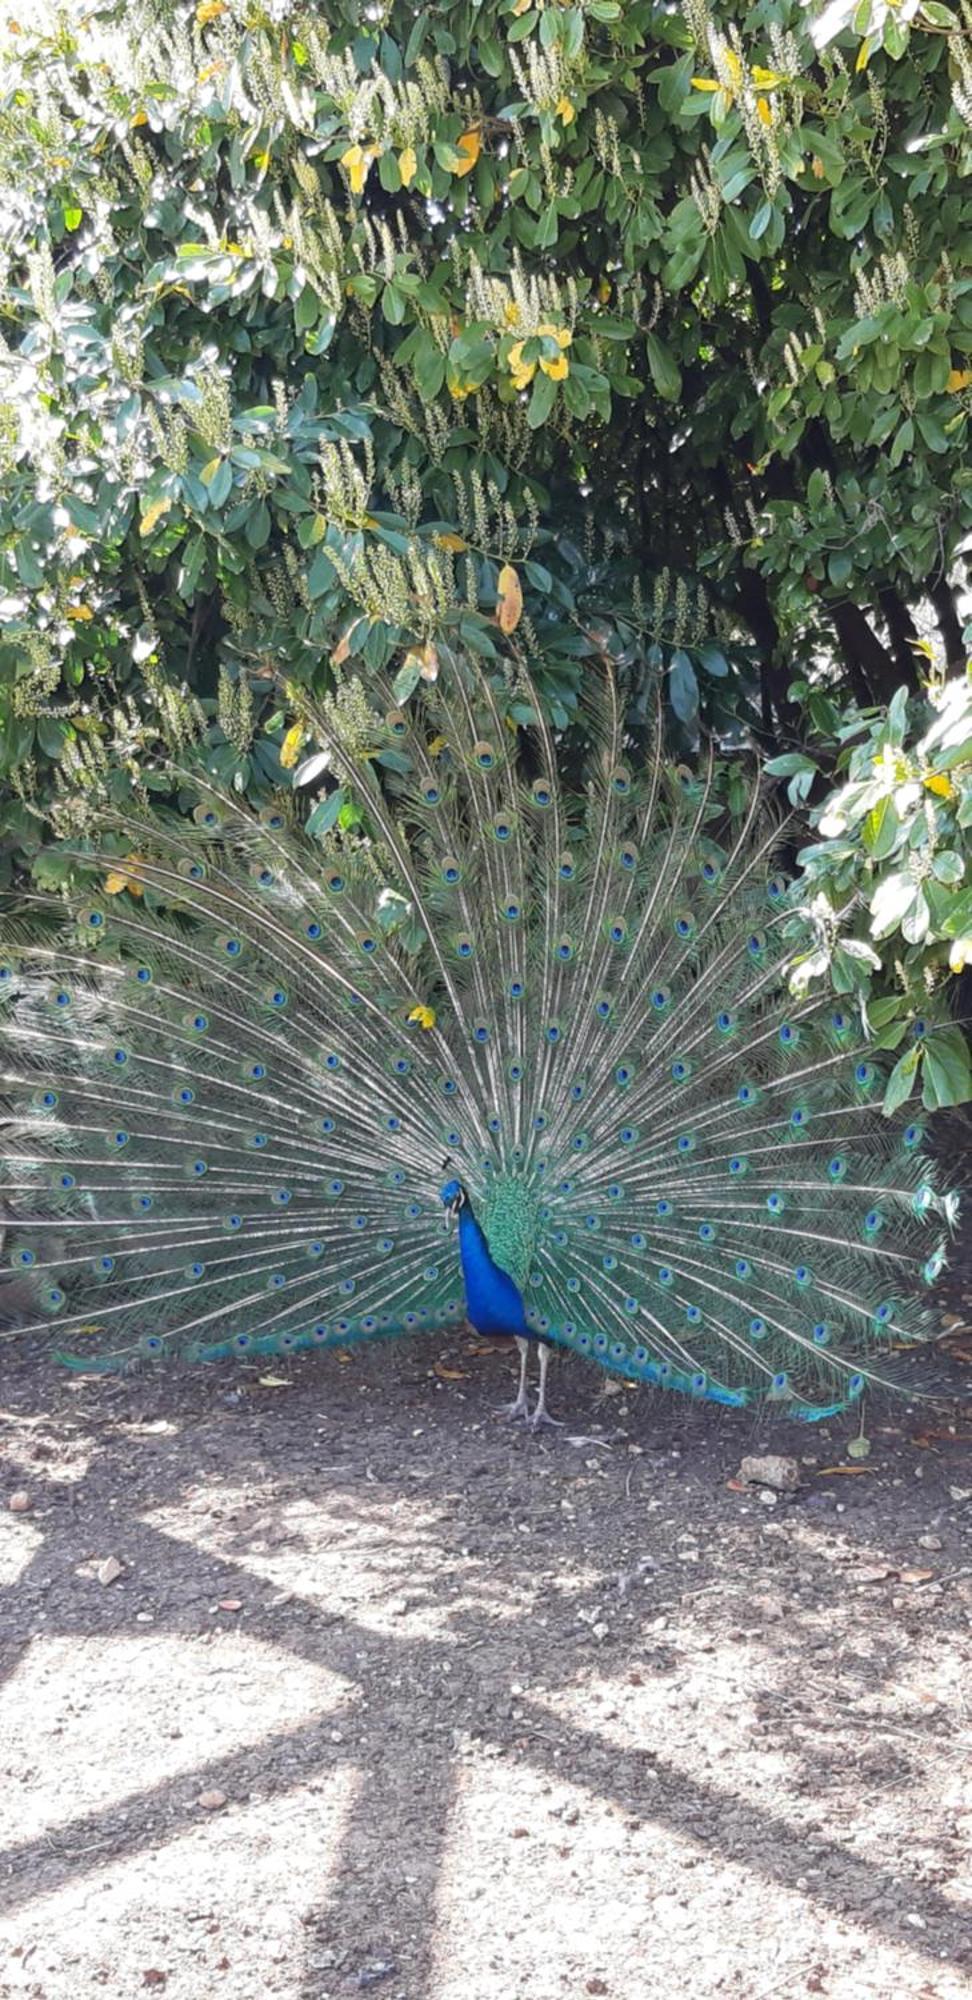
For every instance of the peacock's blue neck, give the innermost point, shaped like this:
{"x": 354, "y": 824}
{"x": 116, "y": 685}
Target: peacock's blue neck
{"x": 493, "y": 1301}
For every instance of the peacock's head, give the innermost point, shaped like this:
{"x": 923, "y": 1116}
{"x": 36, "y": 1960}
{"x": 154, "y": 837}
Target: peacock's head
{"x": 452, "y": 1197}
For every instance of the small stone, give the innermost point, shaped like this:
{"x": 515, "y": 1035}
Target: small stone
{"x": 597, "y": 1985}
{"x": 929, "y": 1541}
{"x": 211, "y": 1801}
{"x": 110, "y": 1570}
{"x": 19, "y": 1502}
{"x": 781, "y": 1474}
{"x": 767, "y": 1497}
{"x": 154, "y": 1977}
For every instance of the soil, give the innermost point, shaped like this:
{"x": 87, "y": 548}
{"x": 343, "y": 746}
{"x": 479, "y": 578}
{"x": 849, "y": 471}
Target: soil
{"x": 321, "y": 1680}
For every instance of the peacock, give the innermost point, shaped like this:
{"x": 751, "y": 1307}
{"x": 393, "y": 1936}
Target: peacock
{"x": 255, "y": 1066}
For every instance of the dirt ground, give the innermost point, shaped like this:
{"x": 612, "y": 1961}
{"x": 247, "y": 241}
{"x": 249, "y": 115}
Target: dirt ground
{"x": 378, "y": 1694}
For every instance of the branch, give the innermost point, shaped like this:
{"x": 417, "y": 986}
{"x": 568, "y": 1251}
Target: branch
{"x": 949, "y": 623}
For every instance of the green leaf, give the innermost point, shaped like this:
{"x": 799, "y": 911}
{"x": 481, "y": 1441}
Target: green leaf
{"x": 665, "y": 371}
{"x": 761, "y": 220}
{"x": 322, "y": 574}
{"x": 881, "y": 829}
{"x": 947, "y": 1069}
{"x": 258, "y": 525}
{"x": 891, "y": 902}
{"x": 406, "y": 681}
{"x": 901, "y": 1082}
{"x": 325, "y": 814}
{"x": 683, "y": 687}
{"x": 541, "y": 401}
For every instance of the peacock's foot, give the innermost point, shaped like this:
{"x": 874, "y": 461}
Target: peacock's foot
{"x": 514, "y": 1411}
{"x": 542, "y": 1419}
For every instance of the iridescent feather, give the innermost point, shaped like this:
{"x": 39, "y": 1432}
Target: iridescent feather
{"x": 231, "y": 1088}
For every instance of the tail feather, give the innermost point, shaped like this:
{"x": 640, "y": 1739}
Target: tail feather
{"x": 233, "y": 1073}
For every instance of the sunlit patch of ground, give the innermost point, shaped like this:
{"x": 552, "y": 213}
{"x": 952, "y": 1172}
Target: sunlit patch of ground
{"x": 386, "y": 1697}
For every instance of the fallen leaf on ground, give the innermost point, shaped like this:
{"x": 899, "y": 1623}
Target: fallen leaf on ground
{"x": 273, "y": 1382}
{"x": 846, "y": 1471}
{"x": 450, "y": 1374}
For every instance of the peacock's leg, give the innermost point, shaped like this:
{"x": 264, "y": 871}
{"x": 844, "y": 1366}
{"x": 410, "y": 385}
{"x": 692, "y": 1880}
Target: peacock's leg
{"x": 541, "y": 1414}
{"x": 521, "y": 1407}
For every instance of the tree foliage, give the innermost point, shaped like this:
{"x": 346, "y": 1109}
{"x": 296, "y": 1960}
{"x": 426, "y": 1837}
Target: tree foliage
{"x": 497, "y": 328}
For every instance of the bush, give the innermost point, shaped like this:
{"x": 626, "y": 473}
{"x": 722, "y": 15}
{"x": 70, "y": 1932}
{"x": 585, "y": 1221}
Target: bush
{"x": 886, "y": 892}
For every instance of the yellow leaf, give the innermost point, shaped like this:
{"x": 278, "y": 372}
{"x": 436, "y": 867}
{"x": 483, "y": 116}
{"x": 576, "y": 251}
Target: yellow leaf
{"x": 453, "y": 543}
{"x": 705, "y": 83}
{"x": 817, "y": 167}
{"x": 119, "y": 878}
{"x": 734, "y": 66}
{"x": 959, "y": 378}
{"x": 290, "y": 747}
{"x": 356, "y": 162}
{"x": 522, "y": 371}
{"x": 960, "y": 955}
{"x": 341, "y": 651}
{"x": 468, "y": 148}
{"x": 940, "y": 784}
{"x": 407, "y": 165}
{"x": 604, "y": 290}
{"x": 764, "y": 110}
{"x": 557, "y": 370}
{"x": 140, "y": 118}
{"x": 425, "y": 1016}
{"x": 428, "y": 660}
{"x": 565, "y": 111}
{"x": 272, "y": 1382}
{"x": 863, "y": 56}
{"x": 153, "y": 515}
{"x": 509, "y": 603}
{"x": 521, "y": 6}
{"x": 436, "y": 747}
{"x": 209, "y": 10}
{"x": 80, "y": 614}
{"x": 766, "y": 79}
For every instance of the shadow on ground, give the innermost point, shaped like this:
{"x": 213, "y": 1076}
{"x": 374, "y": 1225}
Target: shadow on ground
{"x": 388, "y": 1697}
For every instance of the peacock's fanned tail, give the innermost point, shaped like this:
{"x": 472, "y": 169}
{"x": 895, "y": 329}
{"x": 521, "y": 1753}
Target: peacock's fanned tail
{"x": 231, "y": 1087}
